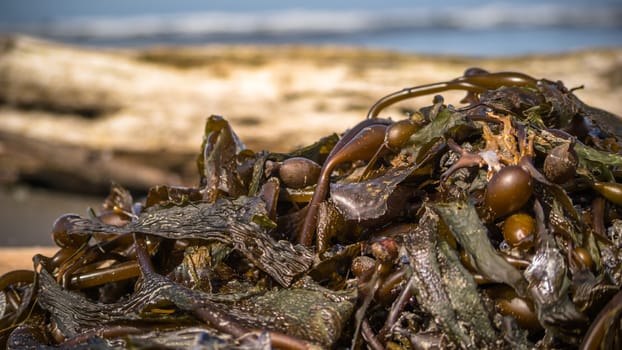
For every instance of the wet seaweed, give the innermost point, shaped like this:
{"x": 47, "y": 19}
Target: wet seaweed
{"x": 489, "y": 225}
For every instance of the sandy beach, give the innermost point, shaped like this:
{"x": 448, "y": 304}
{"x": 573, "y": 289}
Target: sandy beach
{"x": 276, "y": 97}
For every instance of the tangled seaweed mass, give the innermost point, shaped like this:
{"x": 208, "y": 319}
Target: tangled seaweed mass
{"x": 495, "y": 225}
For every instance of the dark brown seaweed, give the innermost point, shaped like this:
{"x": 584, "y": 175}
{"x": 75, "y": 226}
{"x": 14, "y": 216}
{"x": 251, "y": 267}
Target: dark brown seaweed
{"x": 494, "y": 225}
{"x": 242, "y": 223}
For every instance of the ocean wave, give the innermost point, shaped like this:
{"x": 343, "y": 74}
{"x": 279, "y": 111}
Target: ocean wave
{"x": 314, "y": 22}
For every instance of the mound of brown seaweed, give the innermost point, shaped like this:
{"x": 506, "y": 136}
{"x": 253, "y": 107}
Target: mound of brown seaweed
{"x": 494, "y": 225}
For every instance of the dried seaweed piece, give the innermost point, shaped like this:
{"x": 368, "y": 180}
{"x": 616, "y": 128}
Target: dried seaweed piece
{"x": 331, "y": 226}
{"x": 73, "y": 313}
{"x": 119, "y": 199}
{"x": 512, "y": 99}
{"x": 368, "y": 199}
{"x": 465, "y": 299}
{"x": 217, "y": 162}
{"x": 548, "y": 287}
{"x": 197, "y": 338}
{"x": 15, "y": 308}
{"x": 305, "y": 310}
{"x": 164, "y": 195}
{"x": 590, "y": 291}
{"x": 467, "y": 227}
{"x": 30, "y": 337}
{"x": 440, "y": 288}
{"x": 447, "y": 121}
{"x": 606, "y": 330}
{"x": 241, "y": 222}
{"x": 317, "y": 151}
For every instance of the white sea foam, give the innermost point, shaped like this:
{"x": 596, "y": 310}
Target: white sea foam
{"x": 301, "y": 23}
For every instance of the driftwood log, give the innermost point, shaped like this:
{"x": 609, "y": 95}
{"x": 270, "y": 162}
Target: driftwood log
{"x": 76, "y": 118}
{"x": 90, "y": 170}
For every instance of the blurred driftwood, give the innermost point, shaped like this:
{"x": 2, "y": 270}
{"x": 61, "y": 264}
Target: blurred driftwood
{"x": 78, "y": 118}
{"x": 78, "y": 168}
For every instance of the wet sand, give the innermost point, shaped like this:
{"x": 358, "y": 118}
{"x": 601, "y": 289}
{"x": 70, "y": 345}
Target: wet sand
{"x": 27, "y": 214}
{"x": 20, "y": 258}
{"x": 26, "y": 217}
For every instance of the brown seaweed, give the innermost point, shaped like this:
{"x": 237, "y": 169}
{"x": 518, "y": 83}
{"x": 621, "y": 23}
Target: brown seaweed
{"x": 445, "y": 290}
{"x": 242, "y": 222}
{"x": 409, "y": 220}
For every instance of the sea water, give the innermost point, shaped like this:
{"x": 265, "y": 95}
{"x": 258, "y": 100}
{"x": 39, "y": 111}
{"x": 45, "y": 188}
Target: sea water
{"x": 476, "y": 28}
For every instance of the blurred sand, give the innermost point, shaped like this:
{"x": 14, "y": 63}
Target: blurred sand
{"x": 276, "y": 97}
{"x": 20, "y": 258}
